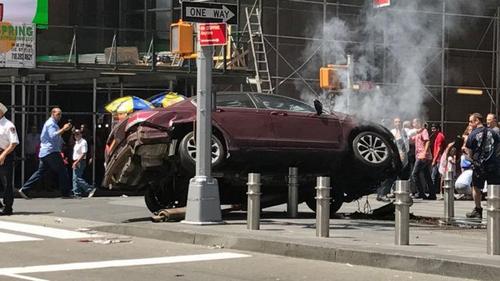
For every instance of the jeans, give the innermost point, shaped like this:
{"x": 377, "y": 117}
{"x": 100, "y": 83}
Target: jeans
{"x": 55, "y": 163}
{"x": 6, "y": 181}
{"x": 436, "y": 178}
{"x": 421, "y": 176}
{"x": 80, "y": 186}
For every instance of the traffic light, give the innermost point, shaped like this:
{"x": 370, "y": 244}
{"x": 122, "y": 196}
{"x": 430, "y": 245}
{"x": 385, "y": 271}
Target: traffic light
{"x": 328, "y": 78}
{"x": 181, "y": 38}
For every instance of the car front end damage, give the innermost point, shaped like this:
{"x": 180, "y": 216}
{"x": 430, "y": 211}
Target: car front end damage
{"x": 135, "y": 146}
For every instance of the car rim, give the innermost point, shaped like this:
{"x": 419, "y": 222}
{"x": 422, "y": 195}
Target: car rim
{"x": 372, "y": 149}
{"x": 191, "y": 149}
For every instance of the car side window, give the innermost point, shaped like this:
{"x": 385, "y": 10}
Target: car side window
{"x": 234, "y": 101}
{"x": 281, "y": 103}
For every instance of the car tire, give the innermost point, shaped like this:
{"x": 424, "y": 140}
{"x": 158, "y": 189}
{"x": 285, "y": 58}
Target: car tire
{"x": 371, "y": 150}
{"x": 335, "y": 203}
{"x": 171, "y": 193}
{"x": 187, "y": 152}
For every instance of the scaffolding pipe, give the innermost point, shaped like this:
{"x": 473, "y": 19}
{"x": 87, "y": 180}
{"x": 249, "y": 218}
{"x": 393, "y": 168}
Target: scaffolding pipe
{"x": 94, "y": 127}
{"x": 23, "y": 128}
{"x": 13, "y": 117}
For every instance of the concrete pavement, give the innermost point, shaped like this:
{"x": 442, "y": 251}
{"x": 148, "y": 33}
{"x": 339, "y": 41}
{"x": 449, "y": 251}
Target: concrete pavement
{"x": 450, "y": 251}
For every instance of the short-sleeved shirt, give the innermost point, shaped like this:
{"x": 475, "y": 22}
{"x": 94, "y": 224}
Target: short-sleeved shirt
{"x": 8, "y": 133}
{"x": 439, "y": 144}
{"x": 50, "y": 140}
{"x": 486, "y": 150}
{"x": 420, "y": 140}
{"x": 80, "y": 149}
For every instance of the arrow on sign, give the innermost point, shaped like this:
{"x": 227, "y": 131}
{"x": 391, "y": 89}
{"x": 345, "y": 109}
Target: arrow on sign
{"x": 224, "y": 14}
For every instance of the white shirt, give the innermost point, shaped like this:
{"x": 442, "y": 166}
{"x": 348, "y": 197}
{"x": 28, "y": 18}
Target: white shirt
{"x": 79, "y": 149}
{"x": 8, "y": 133}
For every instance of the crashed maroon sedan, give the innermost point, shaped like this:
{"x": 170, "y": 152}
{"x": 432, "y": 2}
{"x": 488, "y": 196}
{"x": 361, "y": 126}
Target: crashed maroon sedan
{"x": 252, "y": 133}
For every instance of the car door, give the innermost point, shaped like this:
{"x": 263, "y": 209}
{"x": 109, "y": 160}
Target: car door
{"x": 297, "y": 125}
{"x": 245, "y": 124}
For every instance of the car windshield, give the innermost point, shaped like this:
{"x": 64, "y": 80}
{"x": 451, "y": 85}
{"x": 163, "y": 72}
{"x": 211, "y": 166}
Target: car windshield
{"x": 283, "y": 103}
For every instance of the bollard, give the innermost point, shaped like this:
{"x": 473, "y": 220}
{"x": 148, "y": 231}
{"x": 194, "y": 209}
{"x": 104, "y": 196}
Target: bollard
{"x": 449, "y": 198}
{"x": 493, "y": 228}
{"x": 253, "y": 208}
{"x": 323, "y": 206}
{"x": 292, "y": 208}
{"x": 402, "y": 215}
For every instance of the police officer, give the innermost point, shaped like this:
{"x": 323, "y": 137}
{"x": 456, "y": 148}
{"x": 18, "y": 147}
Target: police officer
{"x": 8, "y": 142}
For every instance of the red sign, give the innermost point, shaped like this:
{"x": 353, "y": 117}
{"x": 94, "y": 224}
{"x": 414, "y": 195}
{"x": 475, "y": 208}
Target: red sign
{"x": 381, "y": 3}
{"x": 212, "y": 34}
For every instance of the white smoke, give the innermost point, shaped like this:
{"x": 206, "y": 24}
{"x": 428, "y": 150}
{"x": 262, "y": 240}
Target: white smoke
{"x": 402, "y": 42}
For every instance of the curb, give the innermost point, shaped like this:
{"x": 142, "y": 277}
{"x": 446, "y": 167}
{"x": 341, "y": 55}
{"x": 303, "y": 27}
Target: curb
{"x": 331, "y": 253}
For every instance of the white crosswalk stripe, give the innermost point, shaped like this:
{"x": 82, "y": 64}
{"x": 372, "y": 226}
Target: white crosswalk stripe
{"x": 8, "y": 237}
{"x": 37, "y": 231}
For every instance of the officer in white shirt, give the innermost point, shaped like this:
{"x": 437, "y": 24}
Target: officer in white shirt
{"x": 8, "y": 142}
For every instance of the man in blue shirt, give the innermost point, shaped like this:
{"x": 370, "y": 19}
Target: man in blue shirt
{"x": 50, "y": 155}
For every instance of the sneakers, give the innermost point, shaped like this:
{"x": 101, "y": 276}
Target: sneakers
{"x": 92, "y": 192}
{"x": 6, "y": 212}
{"x": 477, "y": 213}
{"x": 383, "y": 199}
{"x": 22, "y": 194}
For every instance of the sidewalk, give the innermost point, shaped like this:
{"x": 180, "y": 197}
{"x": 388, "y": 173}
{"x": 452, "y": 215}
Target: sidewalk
{"x": 433, "y": 249}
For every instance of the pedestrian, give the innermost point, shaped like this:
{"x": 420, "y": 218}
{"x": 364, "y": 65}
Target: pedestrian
{"x": 80, "y": 186}
{"x": 50, "y": 155}
{"x": 481, "y": 146}
{"x": 8, "y": 142}
{"x": 421, "y": 175}
{"x": 437, "y": 152}
{"x": 402, "y": 144}
{"x": 491, "y": 122}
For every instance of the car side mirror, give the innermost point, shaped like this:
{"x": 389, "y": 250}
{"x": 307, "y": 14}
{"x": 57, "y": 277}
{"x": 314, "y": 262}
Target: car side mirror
{"x": 318, "y": 106}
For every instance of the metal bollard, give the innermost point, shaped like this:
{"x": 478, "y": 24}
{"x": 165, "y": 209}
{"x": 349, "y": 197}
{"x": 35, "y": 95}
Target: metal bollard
{"x": 449, "y": 198}
{"x": 493, "y": 228}
{"x": 253, "y": 203}
{"x": 292, "y": 208}
{"x": 323, "y": 206}
{"x": 403, "y": 203}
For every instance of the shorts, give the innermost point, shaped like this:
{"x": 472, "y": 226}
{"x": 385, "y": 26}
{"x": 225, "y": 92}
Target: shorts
{"x": 478, "y": 180}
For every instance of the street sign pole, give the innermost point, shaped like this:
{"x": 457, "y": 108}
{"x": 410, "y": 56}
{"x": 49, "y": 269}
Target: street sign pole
{"x": 203, "y": 203}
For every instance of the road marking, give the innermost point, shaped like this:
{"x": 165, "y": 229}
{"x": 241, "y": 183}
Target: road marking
{"x": 25, "y": 277}
{"x": 8, "y": 237}
{"x": 118, "y": 263}
{"x": 43, "y": 230}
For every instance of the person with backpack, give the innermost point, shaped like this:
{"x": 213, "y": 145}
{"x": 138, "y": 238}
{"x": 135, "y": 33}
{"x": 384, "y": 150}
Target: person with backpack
{"x": 483, "y": 147}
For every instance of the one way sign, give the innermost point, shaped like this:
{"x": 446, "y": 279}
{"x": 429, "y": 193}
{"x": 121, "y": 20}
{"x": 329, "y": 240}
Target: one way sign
{"x": 209, "y": 12}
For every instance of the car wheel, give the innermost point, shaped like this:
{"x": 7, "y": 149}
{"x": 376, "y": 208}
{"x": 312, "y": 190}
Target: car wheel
{"x": 187, "y": 151}
{"x": 371, "y": 150}
{"x": 169, "y": 194}
{"x": 335, "y": 203}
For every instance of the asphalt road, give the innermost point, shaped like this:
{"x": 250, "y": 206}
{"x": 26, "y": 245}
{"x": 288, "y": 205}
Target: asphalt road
{"x": 56, "y": 251}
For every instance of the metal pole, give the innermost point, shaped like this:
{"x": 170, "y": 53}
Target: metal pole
{"x": 323, "y": 206}
{"x": 403, "y": 203}
{"x": 293, "y": 192}
{"x": 35, "y": 103}
{"x": 449, "y": 199}
{"x": 94, "y": 127}
{"x": 23, "y": 128}
{"x": 497, "y": 100}
{"x": 443, "y": 54}
{"x": 203, "y": 204}
{"x": 47, "y": 100}
{"x": 493, "y": 225}
{"x": 13, "y": 118}
{"x": 253, "y": 202}
{"x": 349, "y": 82}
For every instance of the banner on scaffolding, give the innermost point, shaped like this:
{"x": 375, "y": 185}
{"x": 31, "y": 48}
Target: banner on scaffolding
{"x": 17, "y": 45}
{"x": 25, "y": 11}
{"x": 381, "y": 3}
